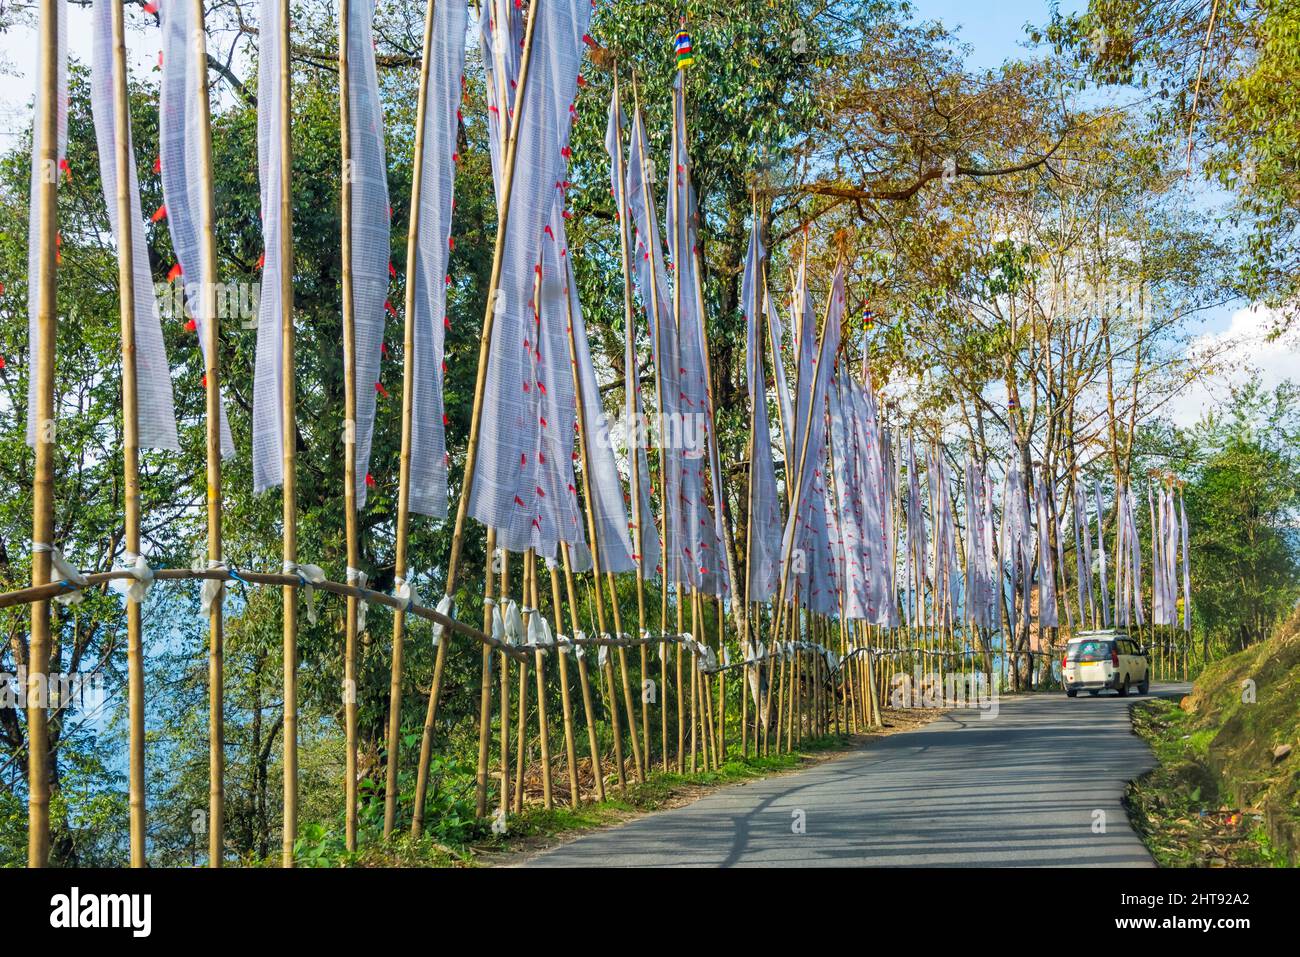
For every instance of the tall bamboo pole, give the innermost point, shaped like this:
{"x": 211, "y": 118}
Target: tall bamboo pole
{"x": 408, "y": 406}
{"x": 652, "y": 243}
{"x": 837, "y": 495}
{"x": 128, "y": 219}
{"x": 349, "y": 443}
{"x": 803, "y": 458}
{"x": 631, "y": 380}
{"x": 539, "y": 666}
{"x": 606, "y": 669}
{"x": 504, "y": 805}
{"x": 485, "y": 694}
{"x": 677, "y": 321}
{"x": 695, "y": 680}
{"x": 681, "y": 698}
{"x": 38, "y": 742}
{"x": 633, "y": 733}
{"x": 796, "y": 673}
{"x": 208, "y": 307}
{"x": 745, "y": 691}
{"x": 793, "y": 483}
{"x": 584, "y": 456}
{"x": 489, "y": 314}
{"x": 431, "y": 713}
{"x": 759, "y": 385}
{"x": 521, "y": 714}
{"x": 722, "y": 684}
{"x": 715, "y": 459}
{"x": 584, "y": 678}
{"x": 289, "y": 445}
{"x": 575, "y": 797}
{"x": 485, "y": 347}
{"x": 762, "y": 703}
{"x": 584, "y": 452}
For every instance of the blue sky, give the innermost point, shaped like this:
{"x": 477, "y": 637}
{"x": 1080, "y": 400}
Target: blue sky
{"x": 994, "y": 31}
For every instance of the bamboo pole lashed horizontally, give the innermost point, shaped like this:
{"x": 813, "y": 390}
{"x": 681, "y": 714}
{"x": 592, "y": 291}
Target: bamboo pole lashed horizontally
{"x": 49, "y": 590}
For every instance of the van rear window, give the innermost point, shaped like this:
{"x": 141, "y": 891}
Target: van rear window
{"x": 1089, "y": 651}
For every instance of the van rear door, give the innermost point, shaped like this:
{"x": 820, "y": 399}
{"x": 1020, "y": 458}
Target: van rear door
{"x": 1092, "y": 660}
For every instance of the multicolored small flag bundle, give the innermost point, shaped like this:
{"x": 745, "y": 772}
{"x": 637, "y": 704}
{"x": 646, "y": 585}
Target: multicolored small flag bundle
{"x": 682, "y": 46}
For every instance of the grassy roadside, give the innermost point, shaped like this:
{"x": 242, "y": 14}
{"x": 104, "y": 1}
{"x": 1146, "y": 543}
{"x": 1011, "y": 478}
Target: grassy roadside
{"x": 1227, "y": 790}
{"x": 537, "y": 828}
{"x": 1179, "y": 808}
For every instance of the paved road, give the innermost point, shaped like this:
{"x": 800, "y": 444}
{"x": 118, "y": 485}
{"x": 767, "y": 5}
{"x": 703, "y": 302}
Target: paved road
{"x": 1020, "y": 789}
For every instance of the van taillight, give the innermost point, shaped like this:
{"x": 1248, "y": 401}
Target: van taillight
{"x": 1114, "y": 657}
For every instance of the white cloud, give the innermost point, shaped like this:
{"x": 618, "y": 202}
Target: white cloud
{"x": 1247, "y": 354}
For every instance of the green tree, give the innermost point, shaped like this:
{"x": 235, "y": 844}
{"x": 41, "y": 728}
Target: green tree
{"x": 1218, "y": 74}
{"x": 1242, "y": 504}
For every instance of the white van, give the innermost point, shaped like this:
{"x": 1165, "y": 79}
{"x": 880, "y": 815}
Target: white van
{"x": 1095, "y": 660}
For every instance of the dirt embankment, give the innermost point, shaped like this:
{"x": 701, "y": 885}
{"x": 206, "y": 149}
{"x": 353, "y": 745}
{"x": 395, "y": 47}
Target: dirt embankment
{"x": 1227, "y": 791}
